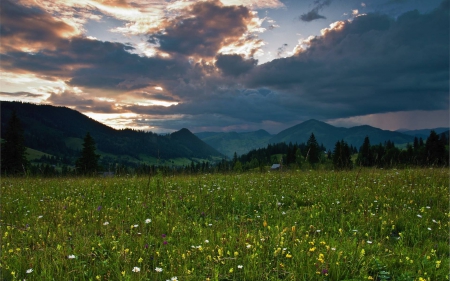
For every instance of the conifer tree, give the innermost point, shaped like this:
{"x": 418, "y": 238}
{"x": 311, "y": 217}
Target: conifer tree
{"x": 342, "y": 156}
{"x": 87, "y": 164}
{"x": 13, "y": 150}
{"x": 365, "y": 157}
{"x": 313, "y": 150}
{"x": 435, "y": 149}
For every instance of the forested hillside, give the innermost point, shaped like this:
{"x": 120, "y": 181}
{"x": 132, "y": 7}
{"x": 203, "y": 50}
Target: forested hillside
{"x": 59, "y": 131}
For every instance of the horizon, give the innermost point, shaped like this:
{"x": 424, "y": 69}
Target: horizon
{"x": 271, "y": 133}
{"x": 231, "y": 65}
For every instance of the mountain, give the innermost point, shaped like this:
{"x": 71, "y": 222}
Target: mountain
{"x": 328, "y": 135}
{"x": 300, "y": 133}
{"x": 231, "y": 142}
{"x": 59, "y": 131}
{"x": 423, "y": 133}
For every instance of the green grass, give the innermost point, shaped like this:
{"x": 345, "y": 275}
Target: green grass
{"x": 314, "y": 225}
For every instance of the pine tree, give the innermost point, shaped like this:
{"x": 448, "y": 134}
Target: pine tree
{"x": 435, "y": 149}
{"x": 312, "y": 146}
{"x": 87, "y": 164}
{"x": 365, "y": 157}
{"x": 13, "y": 148}
{"x": 342, "y": 156}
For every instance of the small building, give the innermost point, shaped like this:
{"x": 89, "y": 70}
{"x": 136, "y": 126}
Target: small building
{"x": 275, "y": 167}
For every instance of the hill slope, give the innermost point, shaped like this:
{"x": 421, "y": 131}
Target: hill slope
{"x": 55, "y": 130}
{"x": 229, "y": 143}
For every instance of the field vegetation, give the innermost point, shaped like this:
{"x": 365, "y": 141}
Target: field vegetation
{"x": 361, "y": 224}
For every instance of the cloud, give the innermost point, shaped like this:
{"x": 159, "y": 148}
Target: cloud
{"x": 19, "y": 95}
{"x": 314, "y": 13}
{"x": 204, "y": 29}
{"x": 30, "y": 28}
{"x": 234, "y": 65}
{"x": 373, "y": 64}
{"x": 311, "y": 15}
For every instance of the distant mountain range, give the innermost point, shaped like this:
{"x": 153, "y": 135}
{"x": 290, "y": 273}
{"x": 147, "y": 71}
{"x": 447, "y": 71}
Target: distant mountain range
{"x": 326, "y": 134}
{"x": 59, "y": 131}
{"x": 424, "y": 133}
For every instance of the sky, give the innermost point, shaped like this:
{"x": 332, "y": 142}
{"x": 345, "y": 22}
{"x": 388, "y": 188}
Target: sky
{"x": 231, "y": 65}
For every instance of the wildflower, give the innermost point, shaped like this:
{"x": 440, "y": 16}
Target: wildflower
{"x": 106, "y": 223}
{"x": 288, "y": 256}
{"x": 136, "y": 269}
{"x": 99, "y": 208}
{"x": 438, "y": 264}
{"x": 419, "y": 216}
{"x": 206, "y": 241}
{"x": 429, "y": 228}
{"x": 369, "y": 242}
{"x": 40, "y": 217}
{"x": 249, "y": 246}
{"x": 158, "y": 269}
{"x": 140, "y": 260}
{"x": 321, "y": 258}
{"x": 29, "y": 270}
{"x": 136, "y": 225}
{"x": 71, "y": 257}
{"x": 240, "y": 266}
{"x": 165, "y": 242}
{"x": 98, "y": 277}
{"x": 123, "y": 273}
{"x": 148, "y": 221}
{"x": 163, "y": 235}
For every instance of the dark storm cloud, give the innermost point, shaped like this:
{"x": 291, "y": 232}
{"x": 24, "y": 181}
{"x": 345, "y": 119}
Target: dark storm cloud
{"x": 71, "y": 99}
{"x": 19, "y": 95}
{"x": 251, "y": 106}
{"x": 210, "y": 26}
{"x": 160, "y": 97}
{"x": 314, "y": 13}
{"x": 91, "y": 63}
{"x": 29, "y": 27}
{"x": 234, "y": 65}
{"x": 373, "y": 64}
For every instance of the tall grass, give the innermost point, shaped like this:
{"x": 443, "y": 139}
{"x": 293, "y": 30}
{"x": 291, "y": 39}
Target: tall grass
{"x": 315, "y": 225}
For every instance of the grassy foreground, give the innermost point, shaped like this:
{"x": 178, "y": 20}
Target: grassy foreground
{"x": 300, "y": 225}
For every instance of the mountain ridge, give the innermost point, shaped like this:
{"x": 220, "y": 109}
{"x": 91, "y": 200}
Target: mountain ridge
{"x": 325, "y": 134}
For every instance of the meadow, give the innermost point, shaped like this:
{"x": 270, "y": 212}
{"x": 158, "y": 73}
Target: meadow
{"x": 368, "y": 224}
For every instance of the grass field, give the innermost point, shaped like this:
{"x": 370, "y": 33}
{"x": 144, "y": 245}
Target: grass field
{"x": 300, "y": 225}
